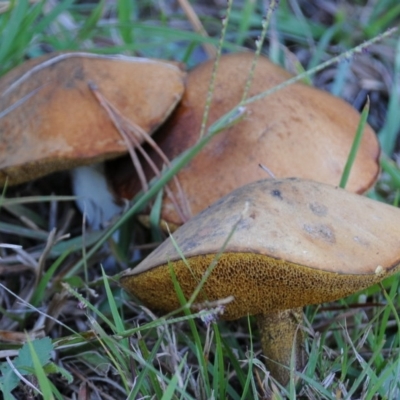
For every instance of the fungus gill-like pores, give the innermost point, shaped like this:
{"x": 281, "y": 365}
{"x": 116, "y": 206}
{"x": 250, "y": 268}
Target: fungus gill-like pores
{"x": 295, "y": 242}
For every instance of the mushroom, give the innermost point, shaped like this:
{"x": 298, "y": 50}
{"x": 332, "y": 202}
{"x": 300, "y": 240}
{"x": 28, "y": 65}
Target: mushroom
{"x": 51, "y": 119}
{"x": 297, "y": 131}
{"x": 295, "y": 242}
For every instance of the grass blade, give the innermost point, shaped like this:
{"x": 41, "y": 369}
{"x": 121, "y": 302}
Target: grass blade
{"x": 355, "y": 146}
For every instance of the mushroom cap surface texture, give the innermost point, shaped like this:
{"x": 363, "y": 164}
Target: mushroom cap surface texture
{"x": 295, "y": 242}
{"x": 52, "y": 121}
{"x": 297, "y": 131}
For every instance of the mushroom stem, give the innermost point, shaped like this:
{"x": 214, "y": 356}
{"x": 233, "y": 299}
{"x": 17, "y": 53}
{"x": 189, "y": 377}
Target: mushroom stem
{"x": 280, "y": 338}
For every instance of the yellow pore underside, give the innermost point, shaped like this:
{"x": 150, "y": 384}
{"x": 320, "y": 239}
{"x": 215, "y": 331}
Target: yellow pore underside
{"x": 258, "y": 283}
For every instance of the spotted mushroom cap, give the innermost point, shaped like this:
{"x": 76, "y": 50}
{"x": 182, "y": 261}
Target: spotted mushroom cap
{"x": 50, "y": 119}
{"x": 297, "y": 131}
{"x": 295, "y": 242}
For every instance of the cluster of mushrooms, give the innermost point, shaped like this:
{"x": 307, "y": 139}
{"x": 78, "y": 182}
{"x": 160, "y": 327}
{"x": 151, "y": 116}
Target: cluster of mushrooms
{"x": 292, "y": 241}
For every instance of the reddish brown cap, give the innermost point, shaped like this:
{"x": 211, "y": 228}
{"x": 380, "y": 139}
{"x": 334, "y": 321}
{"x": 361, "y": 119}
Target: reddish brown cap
{"x": 50, "y": 119}
{"x": 298, "y": 131}
{"x": 295, "y": 242}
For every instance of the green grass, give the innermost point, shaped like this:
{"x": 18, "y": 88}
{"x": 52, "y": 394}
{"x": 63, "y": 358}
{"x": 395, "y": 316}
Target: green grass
{"x": 102, "y": 340}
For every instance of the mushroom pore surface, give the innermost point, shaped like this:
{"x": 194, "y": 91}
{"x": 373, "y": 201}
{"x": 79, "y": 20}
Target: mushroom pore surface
{"x": 259, "y": 284}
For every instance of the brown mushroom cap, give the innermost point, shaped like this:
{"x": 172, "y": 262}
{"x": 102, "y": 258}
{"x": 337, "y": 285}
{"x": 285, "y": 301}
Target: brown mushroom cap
{"x": 52, "y": 121}
{"x": 296, "y": 242}
{"x": 298, "y": 131}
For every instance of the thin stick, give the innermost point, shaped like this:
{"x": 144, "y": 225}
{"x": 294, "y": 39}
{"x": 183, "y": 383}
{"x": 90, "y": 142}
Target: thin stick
{"x": 267, "y": 170}
{"x": 198, "y": 27}
{"x": 211, "y": 87}
{"x": 259, "y": 43}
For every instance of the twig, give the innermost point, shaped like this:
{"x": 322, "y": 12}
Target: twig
{"x": 187, "y": 8}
